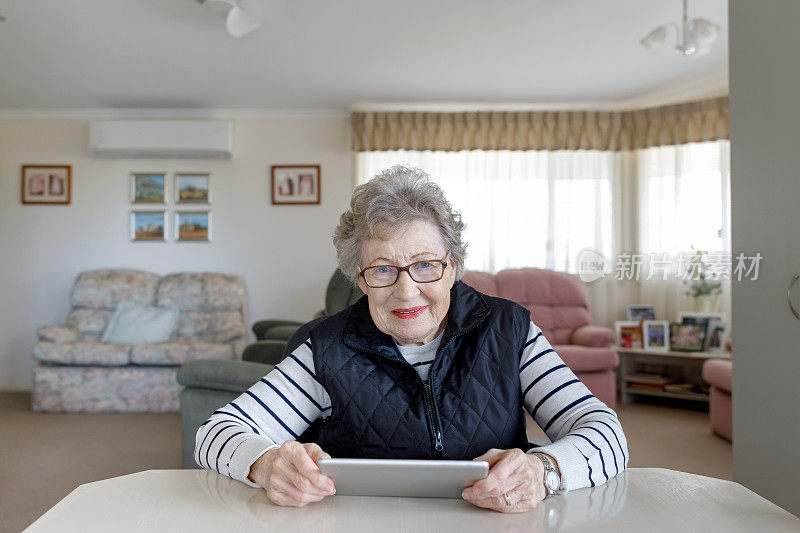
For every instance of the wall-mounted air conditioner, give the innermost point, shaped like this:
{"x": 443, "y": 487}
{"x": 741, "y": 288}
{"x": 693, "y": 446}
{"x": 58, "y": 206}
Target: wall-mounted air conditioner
{"x": 161, "y": 138}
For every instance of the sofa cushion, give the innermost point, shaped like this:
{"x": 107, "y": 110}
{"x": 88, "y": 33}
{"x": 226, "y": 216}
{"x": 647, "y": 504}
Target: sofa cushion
{"x": 202, "y": 291}
{"x": 91, "y": 322}
{"x": 178, "y": 352}
{"x": 83, "y": 353}
{"x": 586, "y": 359}
{"x": 719, "y": 372}
{"x": 216, "y": 326}
{"x": 104, "y": 289}
{"x": 135, "y": 323}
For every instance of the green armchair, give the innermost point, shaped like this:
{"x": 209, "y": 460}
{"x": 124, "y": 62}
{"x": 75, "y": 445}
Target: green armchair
{"x": 272, "y": 335}
{"x": 208, "y": 384}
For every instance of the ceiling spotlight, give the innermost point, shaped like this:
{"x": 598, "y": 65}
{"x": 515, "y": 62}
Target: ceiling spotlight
{"x": 694, "y": 37}
{"x": 242, "y": 16}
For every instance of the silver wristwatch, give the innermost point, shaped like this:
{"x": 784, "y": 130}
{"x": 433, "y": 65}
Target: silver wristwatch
{"x": 552, "y": 481}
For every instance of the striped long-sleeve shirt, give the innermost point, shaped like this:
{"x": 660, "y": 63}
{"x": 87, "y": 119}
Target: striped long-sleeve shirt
{"x": 586, "y": 437}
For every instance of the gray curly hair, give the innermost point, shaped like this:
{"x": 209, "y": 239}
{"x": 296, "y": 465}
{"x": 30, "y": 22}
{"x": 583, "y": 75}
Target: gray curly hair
{"x": 393, "y": 197}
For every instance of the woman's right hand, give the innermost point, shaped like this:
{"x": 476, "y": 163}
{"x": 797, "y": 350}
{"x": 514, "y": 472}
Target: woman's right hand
{"x": 290, "y": 474}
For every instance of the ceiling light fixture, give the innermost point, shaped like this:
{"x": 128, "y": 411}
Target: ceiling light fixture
{"x": 242, "y": 16}
{"x": 694, "y": 37}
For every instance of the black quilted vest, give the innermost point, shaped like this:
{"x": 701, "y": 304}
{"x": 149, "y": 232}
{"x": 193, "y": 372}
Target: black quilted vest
{"x": 382, "y": 409}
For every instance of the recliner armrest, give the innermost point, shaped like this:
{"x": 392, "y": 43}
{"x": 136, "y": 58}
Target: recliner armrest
{"x": 593, "y": 336}
{"x": 220, "y": 374}
{"x": 59, "y": 334}
{"x": 268, "y": 352}
{"x": 261, "y": 327}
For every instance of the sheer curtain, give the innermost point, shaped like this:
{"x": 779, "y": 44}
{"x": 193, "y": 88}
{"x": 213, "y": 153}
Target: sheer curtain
{"x": 521, "y": 208}
{"x": 683, "y": 205}
{"x": 541, "y": 208}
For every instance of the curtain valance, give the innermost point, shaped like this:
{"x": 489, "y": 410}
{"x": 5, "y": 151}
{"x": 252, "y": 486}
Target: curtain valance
{"x": 705, "y": 120}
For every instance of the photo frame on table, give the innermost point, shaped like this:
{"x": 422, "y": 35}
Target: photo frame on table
{"x": 192, "y": 188}
{"x": 295, "y": 184}
{"x": 716, "y": 335}
{"x": 656, "y": 335}
{"x": 193, "y": 226}
{"x": 148, "y": 226}
{"x": 46, "y": 184}
{"x": 629, "y": 333}
{"x": 687, "y": 337}
{"x": 148, "y": 188}
{"x": 641, "y": 312}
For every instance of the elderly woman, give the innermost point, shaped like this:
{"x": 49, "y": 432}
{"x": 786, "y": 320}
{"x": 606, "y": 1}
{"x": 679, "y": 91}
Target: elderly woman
{"x": 423, "y": 367}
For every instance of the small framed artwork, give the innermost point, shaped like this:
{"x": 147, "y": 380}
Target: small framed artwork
{"x": 148, "y": 188}
{"x": 192, "y": 188}
{"x": 194, "y": 226}
{"x": 656, "y": 335}
{"x": 47, "y": 184}
{"x": 716, "y": 336}
{"x": 295, "y": 184}
{"x": 148, "y": 226}
{"x": 699, "y": 317}
{"x": 629, "y": 333}
{"x": 641, "y": 312}
{"x": 686, "y": 337}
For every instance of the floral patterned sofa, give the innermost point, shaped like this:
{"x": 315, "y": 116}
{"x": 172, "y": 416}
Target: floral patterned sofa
{"x": 77, "y": 372}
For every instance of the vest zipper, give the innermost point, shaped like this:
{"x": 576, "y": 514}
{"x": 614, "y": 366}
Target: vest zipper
{"x": 434, "y": 426}
{"x": 438, "y": 442}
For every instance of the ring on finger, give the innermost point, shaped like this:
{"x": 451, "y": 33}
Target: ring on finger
{"x": 508, "y": 500}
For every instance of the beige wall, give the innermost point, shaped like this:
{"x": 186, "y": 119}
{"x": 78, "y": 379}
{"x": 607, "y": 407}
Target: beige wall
{"x": 284, "y": 252}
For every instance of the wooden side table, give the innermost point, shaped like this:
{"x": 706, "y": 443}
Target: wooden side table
{"x": 690, "y": 364}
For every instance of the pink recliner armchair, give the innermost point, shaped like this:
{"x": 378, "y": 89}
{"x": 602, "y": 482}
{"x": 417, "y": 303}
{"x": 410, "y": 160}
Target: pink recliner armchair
{"x": 557, "y": 302}
{"x": 719, "y": 374}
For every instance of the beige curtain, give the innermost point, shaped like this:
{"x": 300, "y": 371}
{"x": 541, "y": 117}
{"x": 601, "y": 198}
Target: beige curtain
{"x": 705, "y": 120}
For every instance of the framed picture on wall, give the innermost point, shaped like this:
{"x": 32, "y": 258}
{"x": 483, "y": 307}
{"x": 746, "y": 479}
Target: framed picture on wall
{"x": 46, "y": 184}
{"x": 193, "y": 226}
{"x": 192, "y": 188}
{"x": 148, "y": 187}
{"x": 148, "y": 226}
{"x": 295, "y": 184}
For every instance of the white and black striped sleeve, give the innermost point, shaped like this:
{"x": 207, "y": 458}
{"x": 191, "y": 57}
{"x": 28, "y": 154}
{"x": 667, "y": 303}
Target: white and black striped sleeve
{"x": 279, "y": 407}
{"x": 586, "y": 437}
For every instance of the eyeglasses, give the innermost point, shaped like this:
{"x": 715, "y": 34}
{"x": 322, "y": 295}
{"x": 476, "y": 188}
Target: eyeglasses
{"x": 380, "y": 276}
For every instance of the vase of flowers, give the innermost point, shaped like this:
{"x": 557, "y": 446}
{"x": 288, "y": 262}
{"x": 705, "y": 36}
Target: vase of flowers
{"x": 703, "y": 287}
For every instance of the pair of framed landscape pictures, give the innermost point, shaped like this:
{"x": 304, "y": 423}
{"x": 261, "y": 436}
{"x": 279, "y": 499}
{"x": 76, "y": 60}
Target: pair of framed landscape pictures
{"x": 155, "y": 198}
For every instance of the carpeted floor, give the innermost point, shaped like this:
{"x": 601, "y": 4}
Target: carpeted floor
{"x": 45, "y": 456}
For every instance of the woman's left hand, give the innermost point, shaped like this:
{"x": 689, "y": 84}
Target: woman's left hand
{"x": 514, "y": 475}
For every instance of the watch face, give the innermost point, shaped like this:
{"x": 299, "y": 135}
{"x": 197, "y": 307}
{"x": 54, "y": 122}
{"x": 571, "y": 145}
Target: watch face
{"x": 552, "y": 481}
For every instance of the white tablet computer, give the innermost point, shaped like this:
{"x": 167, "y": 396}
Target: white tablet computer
{"x": 402, "y": 477}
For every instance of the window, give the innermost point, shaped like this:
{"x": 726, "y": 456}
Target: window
{"x": 532, "y": 208}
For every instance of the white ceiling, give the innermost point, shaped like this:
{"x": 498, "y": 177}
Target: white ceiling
{"x": 326, "y": 55}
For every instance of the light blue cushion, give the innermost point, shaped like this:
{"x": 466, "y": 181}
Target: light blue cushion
{"x": 135, "y": 323}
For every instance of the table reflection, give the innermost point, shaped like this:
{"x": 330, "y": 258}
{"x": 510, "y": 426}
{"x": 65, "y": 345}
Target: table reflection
{"x": 567, "y": 512}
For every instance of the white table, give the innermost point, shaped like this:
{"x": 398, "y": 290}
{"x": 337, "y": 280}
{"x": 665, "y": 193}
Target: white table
{"x": 640, "y": 499}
